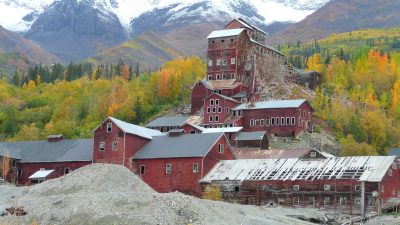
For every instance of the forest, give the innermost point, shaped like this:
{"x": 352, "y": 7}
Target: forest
{"x": 72, "y": 100}
{"x": 360, "y": 93}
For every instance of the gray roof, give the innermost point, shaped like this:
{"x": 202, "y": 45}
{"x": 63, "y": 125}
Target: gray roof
{"x": 168, "y": 121}
{"x": 248, "y": 136}
{"x": 186, "y": 145}
{"x": 135, "y": 129}
{"x": 278, "y": 104}
{"x": 44, "y": 151}
{"x": 394, "y": 152}
{"x": 240, "y": 95}
{"x": 225, "y": 33}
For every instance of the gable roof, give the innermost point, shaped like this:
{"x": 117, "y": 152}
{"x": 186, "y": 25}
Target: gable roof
{"x": 135, "y": 129}
{"x": 186, "y": 145}
{"x": 225, "y": 33}
{"x": 245, "y": 23}
{"x": 44, "y": 151}
{"x": 224, "y": 97}
{"x": 362, "y": 168}
{"x": 249, "y": 136}
{"x": 277, "y": 104}
{"x": 168, "y": 121}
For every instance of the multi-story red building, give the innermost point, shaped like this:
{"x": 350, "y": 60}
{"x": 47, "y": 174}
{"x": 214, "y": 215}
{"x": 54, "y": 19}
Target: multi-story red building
{"x": 167, "y": 162}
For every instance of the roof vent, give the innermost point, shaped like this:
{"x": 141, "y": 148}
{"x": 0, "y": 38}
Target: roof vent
{"x": 176, "y": 132}
{"x": 55, "y": 138}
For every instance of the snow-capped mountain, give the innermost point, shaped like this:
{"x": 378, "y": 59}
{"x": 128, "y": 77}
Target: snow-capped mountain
{"x": 19, "y": 15}
{"x": 76, "y": 29}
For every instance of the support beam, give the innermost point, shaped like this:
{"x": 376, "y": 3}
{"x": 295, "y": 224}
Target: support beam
{"x": 362, "y": 198}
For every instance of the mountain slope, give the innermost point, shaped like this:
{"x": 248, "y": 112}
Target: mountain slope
{"x": 147, "y": 49}
{"x": 340, "y": 16}
{"x": 18, "y": 52}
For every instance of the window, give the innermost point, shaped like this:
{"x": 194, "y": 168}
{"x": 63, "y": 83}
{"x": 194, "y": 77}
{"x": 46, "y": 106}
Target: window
{"x": 14, "y": 163}
{"x": 142, "y": 169}
{"x": 214, "y": 109}
{"x": 287, "y": 120}
{"x": 209, "y": 77}
{"x": 296, "y": 187}
{"x": 277, "y": 121}
{"x": 218, "y": 77}
{"x": 283, "y": 121}
{"x": 299, "y": 123}
{"x": 232, "y": 76}
{"x": 233, "y": 61}
{"x": 67, "y": 170}
{"x": 216, "y": 101}
{"x": 168, "y": 169}
{"x": 304, "y": 114}
{"x": 223, "y": 76}
{"x": 220, "y": 109}
{"x": 309, "y": 116}
{"x": 115, "y": 145}
{"x": 296, "y": 201}
{"x": 102, "y": 146}
{"x": 221, "y": 148}
{"x": 218, "y": 62}
{"x": 390, "y": 173}
{"x": 261, "y": 122}
{"x": 342, "y": 200}
{"x": 211, "y": 101}
{"x": 257, "y": 123}
{"x": 216, "y": 118}
{"x": 19, "y": 173}
{"x": 327, "y": 187}
{"x": 272, "y": 121}
{"x": 109, "y": 127}
{"x": 267, "y": 122}
{"x": 313, "y": 154}
{"x": 208, "y": 110}
{"x": 224, "y": 62}
{"x": 327, "y": 201}
{"x": 293, "y": 121}
{"x": 227, "y": 109}
{"x": 312, "y": 200}
{"x": 211, "y": 118}
{"x": 251, "y": 123}
{"x": 195, "y": 167}
{"x": 357, "y": 201}
{"x": 210, "y": 62}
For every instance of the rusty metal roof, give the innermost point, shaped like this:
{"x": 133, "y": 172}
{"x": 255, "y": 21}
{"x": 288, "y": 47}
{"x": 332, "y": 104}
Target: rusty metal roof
{"x": 223, "y": 84}
{"x": 361, "y": 168}
{"x": 256, "y": 153}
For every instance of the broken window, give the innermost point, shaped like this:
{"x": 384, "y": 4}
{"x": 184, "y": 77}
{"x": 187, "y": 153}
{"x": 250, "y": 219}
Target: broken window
{"x": 209, "y": 77}
{"x": 261, "y": 122}
{"x": 221, "y": 148}
{"x": 342, "y": 201}
{"x": 19, "y": 173}
{"x": 168, "y": 169}
{"x": 102, "y": 146}
{"x": 267, "y": 122}
{"x": 195, "y": 167}
{"x": 218, "y": 62}
{"x": 14, "y": 163}
{"x": 67, "y": 170}
{"x": 296, "y": 201}
{"x": 224, "y": 62}
{"x": 233, "y": 61}
{"x": 115, "y": 145}
{"x": 313, "y": 154}
{"x": 327, "y": 201}
{"x": 109, "y": 127}
{"x": 142, "y": 169}
{"x": 210, "y": 62}
{"x": 218, "y": 77}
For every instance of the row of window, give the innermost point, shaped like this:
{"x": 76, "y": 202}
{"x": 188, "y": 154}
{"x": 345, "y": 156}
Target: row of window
{"x": 305, "y": 114}
{"x": 221, "y": 62}
{"x": 168, "y": 168}
{"x": 223, "y": 77}
{"x": 274, "y": 121}
{"x": 327, "y": 201}
{"x": 102, "y": 146}
{"x": 213, "y": 119}
{"x": 222, "y": 40}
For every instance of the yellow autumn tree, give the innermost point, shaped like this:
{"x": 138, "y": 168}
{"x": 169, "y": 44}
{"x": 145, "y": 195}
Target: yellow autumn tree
{"x": 212, "y": 192}
{"x": 314, "y": 64}
{"x": 31, "y": 84}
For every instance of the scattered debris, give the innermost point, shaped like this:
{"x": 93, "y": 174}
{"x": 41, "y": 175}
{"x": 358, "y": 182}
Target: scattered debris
{"x": 17, "y": 211}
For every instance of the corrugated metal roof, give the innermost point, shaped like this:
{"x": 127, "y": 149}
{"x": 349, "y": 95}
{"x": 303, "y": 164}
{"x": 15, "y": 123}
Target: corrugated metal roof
{"x": 223, "y": 130}
{"x": 362, "y": 168}
{"x": 41, "y": 174}
{"x": 168, "y": 121}
{"x": 277, "y": 104}
{"x": 248, "y": 136}
{"x": 267, "y": 46}
{"x": 44, "y": 151}
{"x": 394, "y": 151}
{"x": 240, "y": 95}
{"x": 186, "y": 145}
{"x": 256, "y": 153}
{"x": 225, "y": 33}
{"x": 135, "y": 129}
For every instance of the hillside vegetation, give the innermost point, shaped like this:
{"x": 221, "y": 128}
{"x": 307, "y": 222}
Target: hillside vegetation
{"x": 75, "y": 107}
{"x": 360, "y": 93}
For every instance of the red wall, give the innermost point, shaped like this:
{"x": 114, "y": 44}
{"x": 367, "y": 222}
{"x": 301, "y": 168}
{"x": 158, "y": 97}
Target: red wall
{"x": 132, "y": 144}
{"x": 199, "y": 92}
{"x": 273, "y": 113}
{"x": 222, "y": 103}
{"x": 390, "y": 185}
{"x": 182, "y": 177}
{"x": 188, "y": 129}
{"x": 30, "y": 168}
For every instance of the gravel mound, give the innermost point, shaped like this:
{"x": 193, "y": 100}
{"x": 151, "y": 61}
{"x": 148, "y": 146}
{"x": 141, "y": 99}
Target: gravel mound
{"x": 111, "y": 194}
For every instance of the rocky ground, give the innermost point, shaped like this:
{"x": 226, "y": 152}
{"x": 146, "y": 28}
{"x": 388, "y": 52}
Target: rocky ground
{"x": 111, "y": 194}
